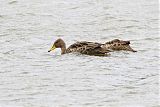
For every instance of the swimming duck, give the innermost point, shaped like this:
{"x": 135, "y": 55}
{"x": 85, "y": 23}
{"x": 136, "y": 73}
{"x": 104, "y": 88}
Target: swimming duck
{"x": 117, "y": 45}
{"x": 88, "y": 48}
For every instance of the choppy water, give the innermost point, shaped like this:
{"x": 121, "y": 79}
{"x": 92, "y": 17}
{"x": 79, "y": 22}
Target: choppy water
{"x": 32, "y": 77}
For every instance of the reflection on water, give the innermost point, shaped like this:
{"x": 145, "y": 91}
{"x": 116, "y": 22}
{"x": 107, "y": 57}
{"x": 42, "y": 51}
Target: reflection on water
{"x": 31, "y": 77}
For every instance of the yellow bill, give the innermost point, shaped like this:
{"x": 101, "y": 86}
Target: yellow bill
{"x": 53, "y": 48}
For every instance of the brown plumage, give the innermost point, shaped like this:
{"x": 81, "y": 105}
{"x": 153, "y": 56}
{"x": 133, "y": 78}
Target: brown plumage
{"x": 93, "y": 48}
{"x": 88, "y": 48}
{"x": 117, "y": 45}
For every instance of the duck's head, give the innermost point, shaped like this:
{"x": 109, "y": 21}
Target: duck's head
{"x": 59, "y": 43}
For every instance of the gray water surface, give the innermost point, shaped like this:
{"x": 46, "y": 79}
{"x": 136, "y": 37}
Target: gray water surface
{"x": 32, "y": 77}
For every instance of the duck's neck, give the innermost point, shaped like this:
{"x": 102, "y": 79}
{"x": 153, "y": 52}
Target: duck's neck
{"x": 63, "y": 49}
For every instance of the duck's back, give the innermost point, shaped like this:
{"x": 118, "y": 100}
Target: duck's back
{"x": 89, "y": 48}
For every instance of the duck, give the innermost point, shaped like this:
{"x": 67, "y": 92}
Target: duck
{"x": 93, "y": 48}
{"x": 83, "y": 47}
{"x": 118, "y": 45}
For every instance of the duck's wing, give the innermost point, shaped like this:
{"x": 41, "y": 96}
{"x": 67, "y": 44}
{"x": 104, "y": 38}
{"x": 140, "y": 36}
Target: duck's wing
{"x": 89, "y": 48}
{"x": 81, "y": 46}
{"x": 117, "y": 44}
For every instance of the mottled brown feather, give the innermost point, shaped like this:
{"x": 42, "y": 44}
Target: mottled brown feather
{"x": 117, "y": 45}
{"x": 89, "y": 48}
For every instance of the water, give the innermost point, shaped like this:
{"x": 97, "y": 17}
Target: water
{"x": 32, "y": 77}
